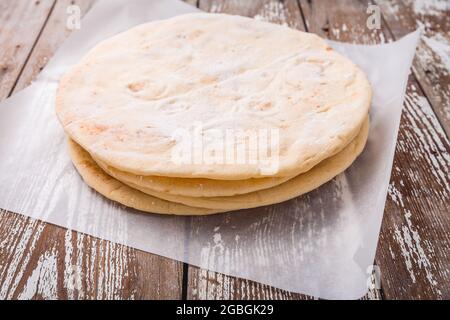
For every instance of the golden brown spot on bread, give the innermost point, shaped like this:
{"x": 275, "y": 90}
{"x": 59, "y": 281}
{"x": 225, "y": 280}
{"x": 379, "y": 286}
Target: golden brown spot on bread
{"x": 195, "y": 34}
{"x": 95, "y": 128}
{"x": 241, "y": 70}
{"x": 136, "y": 86}
{"x": 265, "y": 106}
{"x": 260, "y": 106}
{"x": 209, "y": 79}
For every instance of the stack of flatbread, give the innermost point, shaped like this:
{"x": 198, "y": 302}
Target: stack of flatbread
{"x": 206, "y": 113}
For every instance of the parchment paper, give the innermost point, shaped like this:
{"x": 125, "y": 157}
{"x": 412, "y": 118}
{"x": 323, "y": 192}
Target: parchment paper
{"x": 321, "y": 244}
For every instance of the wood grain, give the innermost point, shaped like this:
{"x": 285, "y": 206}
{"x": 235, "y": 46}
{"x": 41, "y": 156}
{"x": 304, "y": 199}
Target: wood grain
{"x": 415, "y": 235}
{"x": 20, "y": 25}
{"x": 281, "y": 12}
{"x": 209, "y": 285}
{"x": 413, "y": 248}
{"x": 54, "y": 33}
{"x": 42, "y": 261}
{"x": 432, "y": 63}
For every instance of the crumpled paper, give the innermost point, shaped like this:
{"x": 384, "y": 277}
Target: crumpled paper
{"x": 321, "y": 244}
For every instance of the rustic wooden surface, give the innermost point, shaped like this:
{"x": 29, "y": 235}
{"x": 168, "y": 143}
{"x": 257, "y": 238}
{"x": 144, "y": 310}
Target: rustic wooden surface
{"x": 39, "y": 260}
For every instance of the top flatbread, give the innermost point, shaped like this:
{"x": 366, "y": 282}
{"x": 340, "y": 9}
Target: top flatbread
{"x": 130, "y": 95}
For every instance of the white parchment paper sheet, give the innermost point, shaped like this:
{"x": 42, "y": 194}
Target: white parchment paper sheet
{"x": 321, "y": 244}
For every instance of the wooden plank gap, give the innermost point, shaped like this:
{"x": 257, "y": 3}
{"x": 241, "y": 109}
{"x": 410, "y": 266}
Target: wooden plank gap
{"x": 305, "y": 25}
{"x": 413, "y": 71}
{"x": 32, "y": 48}
{"x": 185, "y": 281}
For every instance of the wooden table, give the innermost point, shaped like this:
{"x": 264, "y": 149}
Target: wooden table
{"x": 39, "y": 260}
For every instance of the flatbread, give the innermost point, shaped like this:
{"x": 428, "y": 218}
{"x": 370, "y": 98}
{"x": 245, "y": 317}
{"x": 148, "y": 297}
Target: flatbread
{"x": 303, "y": 183}
{"x": 115, "y": 190}
{"x": 323, "y": 172}
{"x": 194, "y": 187}
{"x": 127, "y": 98}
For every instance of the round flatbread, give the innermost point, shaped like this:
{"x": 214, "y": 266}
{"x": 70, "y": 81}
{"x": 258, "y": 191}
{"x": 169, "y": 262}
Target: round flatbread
{"x": 193, "y": 187}
{"x": 115, "y": 190}
{"x": 303, "y": 183}
{"x": 323, "y": 172}
{"x": 134, "y": 98}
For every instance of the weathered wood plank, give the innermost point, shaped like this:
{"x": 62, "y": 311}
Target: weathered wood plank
{"x": 413, "y": 248}
{"x": 281, "y": 12}
{"x": 42, "y": 261}
{"x": 415, "y": 236}
{"x": 20, "y": 24}
{"x": 340, "y": 20}
{"x": 432, "y": 62}
{"x": 50, "y": 39}
{"x": 209, "y": 285}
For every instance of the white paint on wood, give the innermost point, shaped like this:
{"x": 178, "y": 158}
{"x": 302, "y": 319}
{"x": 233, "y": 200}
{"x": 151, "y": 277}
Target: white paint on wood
{"x": 43, "y": 280}
{"x": 429, "y": 7}
{"x": 273, "y": 11}
{"x": 20, "y": 244}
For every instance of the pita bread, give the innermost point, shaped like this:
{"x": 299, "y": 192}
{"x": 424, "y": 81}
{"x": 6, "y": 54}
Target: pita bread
{"x": 124, "y": 100}
{"x": 194, "y": 187}
{"x": 115, "y": 190}
{"x": 320, "y": 174}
